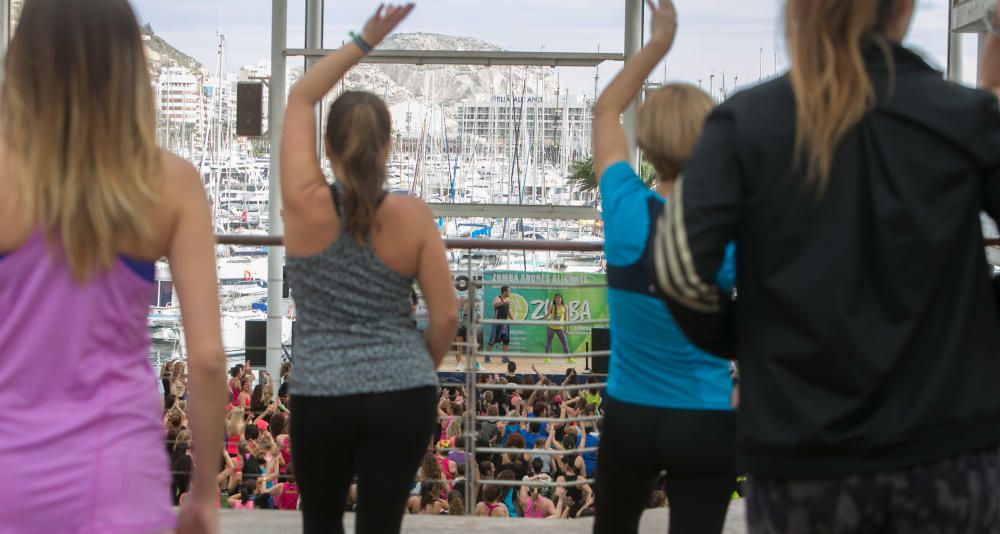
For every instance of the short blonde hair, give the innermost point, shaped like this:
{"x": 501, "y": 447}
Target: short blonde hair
{"x": 670, "y": 122}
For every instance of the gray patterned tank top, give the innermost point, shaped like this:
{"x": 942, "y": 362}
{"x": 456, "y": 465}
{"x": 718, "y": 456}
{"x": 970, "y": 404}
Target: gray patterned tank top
{"x": 355, "y": 331}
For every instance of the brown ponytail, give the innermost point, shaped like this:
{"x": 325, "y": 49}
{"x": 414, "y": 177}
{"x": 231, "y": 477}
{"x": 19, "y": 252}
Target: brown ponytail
{"x": 358, "y": 130}
{"x": 832, "y": 88}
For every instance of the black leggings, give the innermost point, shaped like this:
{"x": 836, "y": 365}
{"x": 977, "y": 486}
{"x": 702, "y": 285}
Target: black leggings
{"x": 695, "y": 447}
{"x": 380, "y": 437}
{"x": 958, "y": 494}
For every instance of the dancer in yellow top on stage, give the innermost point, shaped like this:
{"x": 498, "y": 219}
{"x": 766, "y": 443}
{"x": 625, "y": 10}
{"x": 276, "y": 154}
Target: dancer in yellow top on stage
{"x": 557, "y": 312}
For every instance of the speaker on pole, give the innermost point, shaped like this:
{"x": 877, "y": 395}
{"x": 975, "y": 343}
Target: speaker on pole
{"x": 249, "y": 109}
{"x": 285, "y": 290}
{"x": 255, "y": 338}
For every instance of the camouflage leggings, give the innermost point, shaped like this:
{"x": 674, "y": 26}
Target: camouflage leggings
{"x": 957, "y": 495}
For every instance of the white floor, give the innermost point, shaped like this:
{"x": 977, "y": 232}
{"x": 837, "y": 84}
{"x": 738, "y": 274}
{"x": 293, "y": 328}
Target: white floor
{"x": 267, "y": 522}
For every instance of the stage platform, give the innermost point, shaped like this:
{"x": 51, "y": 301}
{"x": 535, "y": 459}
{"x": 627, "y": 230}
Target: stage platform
{"x": 269, "y": 522}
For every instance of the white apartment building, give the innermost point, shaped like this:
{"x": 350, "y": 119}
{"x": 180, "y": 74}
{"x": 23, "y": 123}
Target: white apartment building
{"x": 179, "y": 97}
{"x": 557, "y": 120}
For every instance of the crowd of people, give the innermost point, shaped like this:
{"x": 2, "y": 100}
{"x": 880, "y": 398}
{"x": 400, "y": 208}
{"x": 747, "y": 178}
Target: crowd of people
{"x": 549, "y": 449}
{"x": 255, "y": 470}
{"x": 842, "y": 200}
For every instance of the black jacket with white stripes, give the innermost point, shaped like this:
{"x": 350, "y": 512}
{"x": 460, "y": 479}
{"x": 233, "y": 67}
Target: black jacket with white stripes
{"x": 866, "y": 327}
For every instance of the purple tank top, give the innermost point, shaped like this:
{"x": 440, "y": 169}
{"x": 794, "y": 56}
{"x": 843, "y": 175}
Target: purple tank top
{"x": 82, "y": 413}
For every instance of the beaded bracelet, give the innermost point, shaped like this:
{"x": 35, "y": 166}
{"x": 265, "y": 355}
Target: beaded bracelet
{"x": 361, "y": 43}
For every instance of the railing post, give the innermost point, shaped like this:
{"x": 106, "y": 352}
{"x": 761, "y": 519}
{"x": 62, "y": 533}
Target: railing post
{"x": 471, "y": 344}
{"x": 276, "y": 226}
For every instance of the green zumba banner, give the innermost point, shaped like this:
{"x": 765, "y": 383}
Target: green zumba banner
{"x": 582, "y": 304}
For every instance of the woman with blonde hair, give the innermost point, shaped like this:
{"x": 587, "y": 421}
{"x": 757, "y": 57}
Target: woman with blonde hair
{"x": 235, "y": 423}
{"x": 668, "y": 403}
{"x": 364, "y": 384}
{"x": 89, "y": 204}
{"x": 867, "y": 330}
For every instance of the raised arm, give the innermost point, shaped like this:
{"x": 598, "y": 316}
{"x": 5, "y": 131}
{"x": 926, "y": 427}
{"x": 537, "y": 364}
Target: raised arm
{"x": 541, "y": 377}
{"x": 609, "y": 136}
{"x": 989, "y": 71}
{"x": 300, "y": 171}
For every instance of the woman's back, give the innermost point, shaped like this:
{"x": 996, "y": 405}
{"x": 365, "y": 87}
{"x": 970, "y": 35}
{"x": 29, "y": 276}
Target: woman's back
{"x": 76, "y": 373}
{"x": 652, "y": 363}
{"x": 357, "y": 334}
{"x": 89, "y": 203}
{"x": 866, "y": 320}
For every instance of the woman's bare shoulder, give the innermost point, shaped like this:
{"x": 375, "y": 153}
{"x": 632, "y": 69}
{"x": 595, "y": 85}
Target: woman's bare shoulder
{"x": 407, "y": 215}
{"x": 408, "y": 207}
{"x": 178, "y": 174}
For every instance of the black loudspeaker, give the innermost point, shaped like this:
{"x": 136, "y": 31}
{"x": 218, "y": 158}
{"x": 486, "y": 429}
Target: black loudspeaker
{"x": 250, "y": 109}
{"x": 601, "y": 340}
{"x": 284, "y": 283}
{"x": 255, "y": 337}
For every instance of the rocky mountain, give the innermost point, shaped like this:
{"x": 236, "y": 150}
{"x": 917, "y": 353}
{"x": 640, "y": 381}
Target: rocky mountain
{"x": 162, "y": 54}
{"x": 445, "y": 84}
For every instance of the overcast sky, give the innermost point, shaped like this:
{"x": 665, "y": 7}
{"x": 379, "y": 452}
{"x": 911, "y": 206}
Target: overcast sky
{"x": 714, "y": 37}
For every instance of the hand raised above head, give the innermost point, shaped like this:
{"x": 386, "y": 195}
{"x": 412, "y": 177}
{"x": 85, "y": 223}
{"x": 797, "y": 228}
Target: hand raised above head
{"x": 663, "y": 21}
{"x": 384, "y": 21}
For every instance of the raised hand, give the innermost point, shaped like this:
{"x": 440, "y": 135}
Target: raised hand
{"x": 384, "y": 21}
{"x": 663, "y": 21}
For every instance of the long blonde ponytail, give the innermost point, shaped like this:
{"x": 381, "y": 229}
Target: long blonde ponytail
{"x": 78, "y": 116}
{"x": 832, "y": 88}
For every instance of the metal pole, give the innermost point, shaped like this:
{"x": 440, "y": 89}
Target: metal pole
{"x": 472, "y": 338}
{"x": 314, "y": 39}
{"x": 954, "y": 49}
{"x": 5, "y": 33}
{"x": 633, "y": 43}
{"x": 276, "y": 227}
{"x": 983, "y": 37}
{"x": 314, "y": 28}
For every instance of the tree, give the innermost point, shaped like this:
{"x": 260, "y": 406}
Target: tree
{"x": 583, "y": 178}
